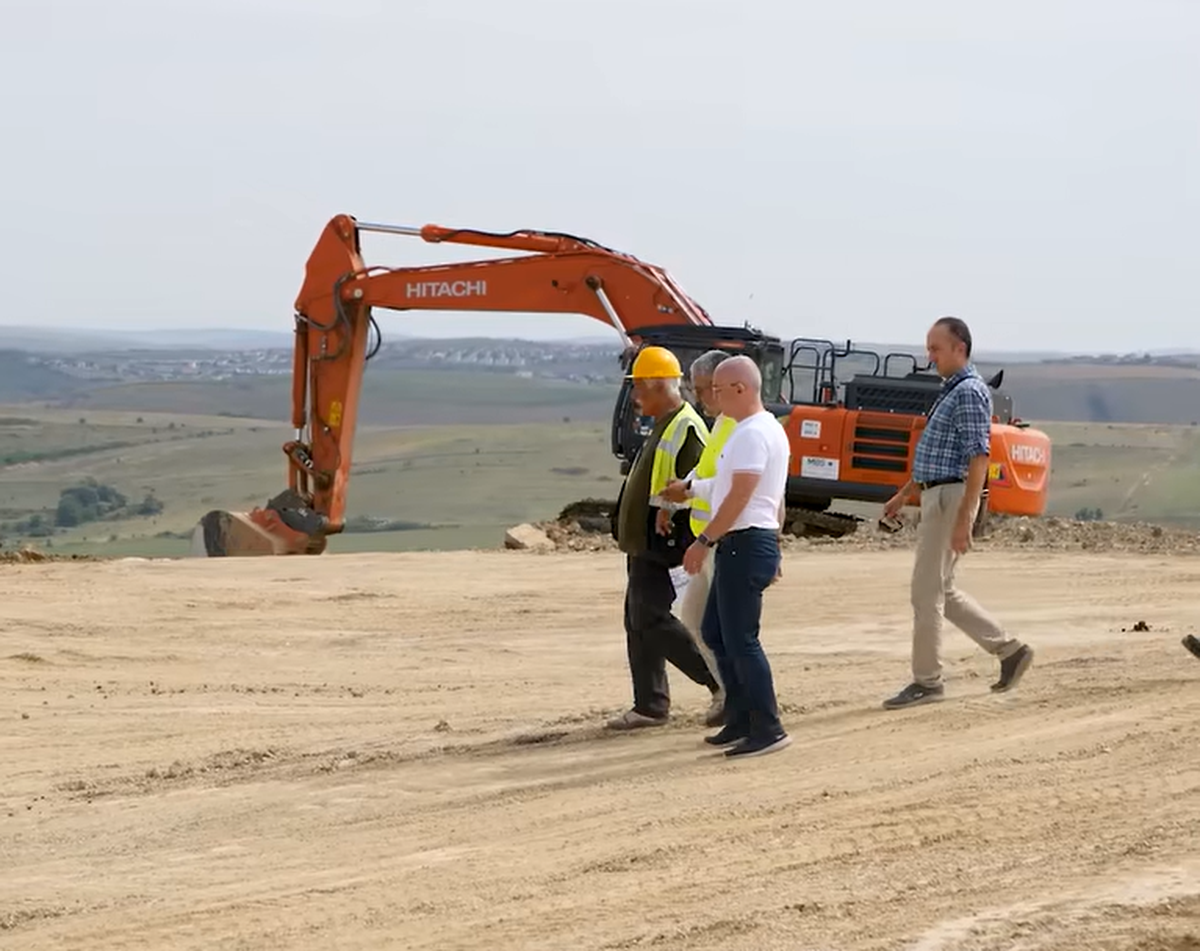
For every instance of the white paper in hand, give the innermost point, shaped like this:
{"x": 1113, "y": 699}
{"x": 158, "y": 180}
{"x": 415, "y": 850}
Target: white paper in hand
{"x": 680, "y": 579}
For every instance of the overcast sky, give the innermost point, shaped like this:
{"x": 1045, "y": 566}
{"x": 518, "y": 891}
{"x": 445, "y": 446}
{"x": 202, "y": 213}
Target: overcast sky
{"x": 845, "y": 169}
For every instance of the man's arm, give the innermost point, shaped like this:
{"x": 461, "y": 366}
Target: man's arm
{"x": 973, "y": 419}
{"x": 905, "y": 495}
{"x": 976, "y": 473}
{"x": 702, "y": 489}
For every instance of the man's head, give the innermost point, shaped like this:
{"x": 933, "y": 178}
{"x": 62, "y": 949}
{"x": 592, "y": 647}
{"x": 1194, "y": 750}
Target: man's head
{"x": 737, "y": 384}
{"x": 949, "y": 345}
{"x": 657, "y": 379}
{"x": 702, "y": 378}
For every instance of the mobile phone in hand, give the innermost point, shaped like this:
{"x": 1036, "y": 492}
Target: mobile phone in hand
{"x": 891, "y": 523}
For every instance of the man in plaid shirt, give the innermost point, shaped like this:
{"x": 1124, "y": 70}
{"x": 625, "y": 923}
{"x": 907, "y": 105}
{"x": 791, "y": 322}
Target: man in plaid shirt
{"x": 949, "y": 468}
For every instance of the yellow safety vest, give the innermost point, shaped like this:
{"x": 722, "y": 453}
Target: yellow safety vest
{"x": 671, "y": 442}
{"x": 706, "y": 468}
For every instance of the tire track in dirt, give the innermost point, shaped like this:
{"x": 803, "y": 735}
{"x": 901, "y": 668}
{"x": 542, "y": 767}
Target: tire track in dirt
{"x": 319, "y": 819}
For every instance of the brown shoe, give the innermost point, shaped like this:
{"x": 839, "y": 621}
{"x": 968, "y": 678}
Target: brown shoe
{"x": 1192, "y": 644}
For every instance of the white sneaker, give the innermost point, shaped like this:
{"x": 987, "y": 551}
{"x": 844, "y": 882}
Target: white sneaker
{"x": 715, "y": 715}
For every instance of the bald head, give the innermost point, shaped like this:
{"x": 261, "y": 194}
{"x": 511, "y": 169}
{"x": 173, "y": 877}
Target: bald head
{"x": 739, "y": 369}
{"x": 737, "y": 384}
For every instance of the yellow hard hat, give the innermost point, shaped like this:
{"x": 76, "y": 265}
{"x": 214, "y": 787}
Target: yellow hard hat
{"x": 656, "y": 363}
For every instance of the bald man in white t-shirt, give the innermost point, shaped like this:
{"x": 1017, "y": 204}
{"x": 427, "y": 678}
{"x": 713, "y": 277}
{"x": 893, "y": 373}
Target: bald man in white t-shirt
{"x": 748, "y": 510}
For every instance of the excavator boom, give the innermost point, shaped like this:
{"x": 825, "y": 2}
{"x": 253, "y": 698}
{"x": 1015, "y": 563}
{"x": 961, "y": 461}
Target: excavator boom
{"x": 555, "y": 273}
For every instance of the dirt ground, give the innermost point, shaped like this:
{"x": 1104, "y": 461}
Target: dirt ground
{"x": 403, "y": 751}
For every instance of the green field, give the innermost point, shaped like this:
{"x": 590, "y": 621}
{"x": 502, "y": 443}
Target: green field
{"x": 464, "y": 483}
{"x": 389, "y": 398}
{"x": 1130, "y": 472}
{"x": 454, "y": 457}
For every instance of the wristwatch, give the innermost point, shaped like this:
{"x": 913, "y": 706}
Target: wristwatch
{"x": 704, "y": 540}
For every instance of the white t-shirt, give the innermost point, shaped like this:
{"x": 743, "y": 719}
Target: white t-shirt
{"x": 758, "y": 444}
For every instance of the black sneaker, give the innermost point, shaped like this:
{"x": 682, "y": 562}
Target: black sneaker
{"x": 915, "y": 694}
{"x": 1192, "y": 644}
{"x": 729, "y": 734}
{"x": 1012, "y": 668}
{"x": 759, "y": 746}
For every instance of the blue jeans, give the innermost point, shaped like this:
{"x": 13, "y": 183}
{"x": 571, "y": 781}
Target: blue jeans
{"x": 745, "y": 564}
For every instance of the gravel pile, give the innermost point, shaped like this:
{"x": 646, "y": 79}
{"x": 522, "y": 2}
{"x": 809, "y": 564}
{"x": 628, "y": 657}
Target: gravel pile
{"x": 1002, "y": 533}
{"x": 29, "y": 556}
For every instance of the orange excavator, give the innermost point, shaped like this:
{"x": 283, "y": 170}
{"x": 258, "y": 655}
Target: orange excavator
{"x": 851, "y": 438}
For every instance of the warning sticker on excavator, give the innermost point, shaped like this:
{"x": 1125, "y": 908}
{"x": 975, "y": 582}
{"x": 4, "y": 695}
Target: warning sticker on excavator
{"x": 810, "y": 429}
{"x": 335, "y": 413}
{"x": 818, "y": 467}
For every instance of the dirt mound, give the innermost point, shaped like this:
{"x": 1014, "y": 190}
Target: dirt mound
{"x": 587, "y": 509}
{"x": 28, "y": 556}
{"x": 591, "y": 533}
{"x": 1040, "y": 534}
{"x": 1067, "y": 534}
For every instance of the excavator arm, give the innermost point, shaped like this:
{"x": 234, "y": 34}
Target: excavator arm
{"x": 556, "y": 273}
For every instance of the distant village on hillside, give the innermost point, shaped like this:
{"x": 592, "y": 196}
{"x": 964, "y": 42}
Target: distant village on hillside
{"x": 579, "y": 362}
{"x": 584, "y": 363}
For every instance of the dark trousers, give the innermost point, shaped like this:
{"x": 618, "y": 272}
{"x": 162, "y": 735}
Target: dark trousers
{"x": 745, "y": 564}
{"x": 653, "y": 636}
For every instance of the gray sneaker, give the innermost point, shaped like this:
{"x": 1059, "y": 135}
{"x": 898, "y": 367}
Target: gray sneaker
{"x": 914, "y": 695}
{"x": 632, "y": 720}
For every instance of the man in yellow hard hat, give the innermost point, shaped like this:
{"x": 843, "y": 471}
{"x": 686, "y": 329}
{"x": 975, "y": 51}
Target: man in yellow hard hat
{"x": 653, "y": 635}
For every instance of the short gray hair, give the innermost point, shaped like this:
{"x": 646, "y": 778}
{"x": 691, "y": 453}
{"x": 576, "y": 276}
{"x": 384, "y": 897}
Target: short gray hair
{"x": 707, "y": 362}
{"x": 668, "y": 384}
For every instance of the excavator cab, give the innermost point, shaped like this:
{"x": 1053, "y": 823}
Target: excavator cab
{"x": 630, "y": 428}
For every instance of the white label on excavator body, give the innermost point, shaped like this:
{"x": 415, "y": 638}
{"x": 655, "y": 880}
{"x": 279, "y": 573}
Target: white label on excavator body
{"x": 423, "y": 289}
{"x": 818, "y": 467}
{"x": 1028, "y": 455}
{"x": 810, "y": 429}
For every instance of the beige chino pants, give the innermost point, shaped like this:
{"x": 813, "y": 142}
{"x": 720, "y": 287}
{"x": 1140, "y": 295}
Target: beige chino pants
{"x": 934, "y": 594}
{"x": 691, "y": 609}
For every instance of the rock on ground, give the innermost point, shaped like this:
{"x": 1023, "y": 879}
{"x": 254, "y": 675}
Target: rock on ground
{"x": 527, "y": 537}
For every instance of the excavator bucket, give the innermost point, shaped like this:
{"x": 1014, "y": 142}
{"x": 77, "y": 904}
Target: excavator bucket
{"x": 262, "y": 531}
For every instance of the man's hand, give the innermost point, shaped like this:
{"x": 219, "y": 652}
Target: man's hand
{"x": 778, "y": 573}
{"x": 693, "y": 558}
{"x": 676, "y": 491}
{"x": 960, "y": 541}
{"x": 892, "y": 507}
{"x": 662, "y": 522}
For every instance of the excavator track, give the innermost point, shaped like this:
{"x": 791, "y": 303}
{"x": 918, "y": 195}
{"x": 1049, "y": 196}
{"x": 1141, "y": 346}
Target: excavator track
{"x": 809, "y": 522}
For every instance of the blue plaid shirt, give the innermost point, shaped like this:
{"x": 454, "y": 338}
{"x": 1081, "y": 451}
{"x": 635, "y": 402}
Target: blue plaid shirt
{"x": 958, "y": 428}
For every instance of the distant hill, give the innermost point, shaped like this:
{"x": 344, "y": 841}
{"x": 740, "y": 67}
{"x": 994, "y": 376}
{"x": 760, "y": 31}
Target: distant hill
{"x": 22, "y": 380}
{"x": 240, "y": 373}
{"x": 86, "y": 340}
